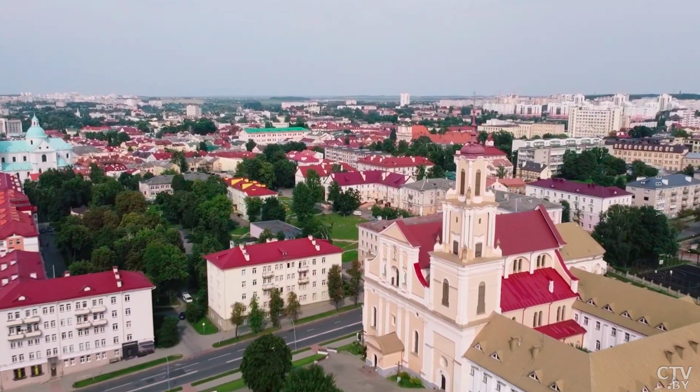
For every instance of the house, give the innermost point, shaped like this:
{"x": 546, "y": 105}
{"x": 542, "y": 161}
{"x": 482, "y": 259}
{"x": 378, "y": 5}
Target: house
{"x": 668, "y": 194}
{"x": 239, "y": 189}
{"x": 512, "y": 185}
{"x": 532, "y": 171}
{"x": 407, "y": 166}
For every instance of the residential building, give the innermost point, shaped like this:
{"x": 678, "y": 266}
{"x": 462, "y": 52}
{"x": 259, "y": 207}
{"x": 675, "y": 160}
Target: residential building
{"x": 70, "y": 324}
{"x": 239, "y": 189}
{"x": 667, "y": 194}
{"x": 650, "y": 151}
{"x": 228, "y": 161}
{"x": 348, "y": 155}
{"x": 35, "y": 154}
{"x": 267, "y": 136}
{"x": 274, "y": 226}
{"x": 405, "y": 99}
{"x": 407, "y": 166}
{"x": 380, "y": 187}
{"x": 11, "y": 128}
{"x": 163, "y": 184}
{"x": 324, "y": 171}
{"x": 511, "y": 185}
{"x": 424, "y": 197}
{"x": 533, "y": 171}
{"x": 523, "y": 129}
{"x": 579, "y": 143}
{"x": 243, "y": 272}
{"x": 587, "y": 201}
{"x": 594, "y": 121}
{"x": 692, "y": 158}
{"x": 551, "y": 152}
{"x": 193, "y": 111}
{"x": 18, "y": 223}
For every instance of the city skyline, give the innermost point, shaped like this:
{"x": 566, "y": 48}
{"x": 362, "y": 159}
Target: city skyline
{"x": 312, "y": 48}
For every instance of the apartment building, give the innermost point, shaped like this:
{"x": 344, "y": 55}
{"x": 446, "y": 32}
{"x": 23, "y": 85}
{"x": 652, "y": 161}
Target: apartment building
{"x": 594, "y": 121}
{"x": 523, "y": 129}
{"x": 193, "y": 111}
{"x": 667, "y": 194}
{"x": 267, "y": 136}
{"x": 652, "y": 152}
{"x": 324, "y": 171}
{"x": 228, "y": 161}
{"x": 692, "y": 159}
{"x": 10, "y": 127}
{"x": 69, "y": 324}
{"x": 424, "y": 197}
{"x": 381, "y": 187}
{"x": 243, "y": 272}
{"x": 407, "y": 166}
{"x": 533, "y": 171}
{"x": 239, "y": 189}
{"x": 551, "y": 152}
{"x": 587, "y": 201}
{"x": 163, "y": 184}
{"x": 18, "y": 223}
{"x": 348, "y": 155}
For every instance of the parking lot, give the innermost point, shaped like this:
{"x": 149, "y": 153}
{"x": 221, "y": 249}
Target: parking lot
{"x": 685, "y": 278}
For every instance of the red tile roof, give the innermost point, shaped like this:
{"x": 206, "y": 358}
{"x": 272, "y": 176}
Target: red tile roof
{"x": 162, "y": 156}
{"x": 325, "y": 169}
{"x": 422, "y": 235}
{"x": 272, "y": 252}
{"x": 21, "y": 264}
{"x": 523, "y": 290}
{"x": 562, "y": 330}
{"x": 577, "y": 187}
{"x": 525, "y": 232}
{"x": 234, "y": 154}
{"x": 42, "y": 291}
{"x": 369, "y": 177}
{"x": 387, "y": 162}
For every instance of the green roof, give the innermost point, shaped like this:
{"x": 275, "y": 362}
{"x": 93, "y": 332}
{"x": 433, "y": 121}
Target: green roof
{"x": 288, "y": 129}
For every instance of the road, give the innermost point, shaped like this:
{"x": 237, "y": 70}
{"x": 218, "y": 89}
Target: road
{"x": 53, "y": 260}
{"x": 227, "y": 358}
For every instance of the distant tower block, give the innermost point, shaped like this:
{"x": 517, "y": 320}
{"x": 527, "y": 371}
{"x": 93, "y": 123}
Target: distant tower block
{"x": 405, "y": 99}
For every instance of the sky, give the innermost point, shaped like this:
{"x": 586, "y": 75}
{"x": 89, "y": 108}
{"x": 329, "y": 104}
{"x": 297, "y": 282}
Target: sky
{"x": 349, "y": 47}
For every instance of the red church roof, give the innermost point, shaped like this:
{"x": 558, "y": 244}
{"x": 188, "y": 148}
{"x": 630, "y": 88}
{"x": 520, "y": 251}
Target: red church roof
{"x": 523, "y": 290}
{"x": 577, "y": 187}
{"x": 528, "y": 231}
{"x": 562, "y": 330}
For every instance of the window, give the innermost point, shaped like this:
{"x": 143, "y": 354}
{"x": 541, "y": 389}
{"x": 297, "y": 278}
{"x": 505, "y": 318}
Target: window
{"x": 462, "y": 181}
{"x": 113, "y": 300}
{"x": 128, "y": 324}
{"x": 243, "y": 296}
{"x": 43, "y": 158}
{"x": 255, "y": 282}
{"x": 585, "y": 320}
{"x": 597, "y": 325}
{"x": 481, "y": 302}
{"x": 255, "y": 270}
{"x": 127, "y": 298}
{"x": 128, "y": 337}
{"x": 128, "y": 311}
{"x": 374, "y": 317}
{"x": 115, "y": 327}
{"x": 597, "y": 345}
{"x": 416, "y": 340}
{"x": 114, "y": 313}
{"x": 627, "y": 337}
{"x": 116, "y": 340}
{"x": 477, "y": 184}
{"x": 478, "y": 249}
{"x": 455, "y": 247}
{"x": 613, "y": 332}
{"x": 19, "y": 374}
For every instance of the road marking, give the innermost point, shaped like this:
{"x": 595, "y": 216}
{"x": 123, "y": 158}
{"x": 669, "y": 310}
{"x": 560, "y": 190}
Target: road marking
{"x": 220, "y": 356}
{"x": 192, "y": 364}
{"x": 309, "y": 330}
{"x": 154, "y": 376}
{"x": 241, "y": 350}
{"x": 117, "y": 387}
{"x": 337, "y": 322}
{"x": 327, "y": 332}
{"x": 234, "y": 360}
{"x": 161, "y": 382}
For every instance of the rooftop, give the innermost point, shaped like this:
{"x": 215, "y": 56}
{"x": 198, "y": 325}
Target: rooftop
{"x": 431, "y": 183}
{"x": 579, "y": 244}
{"x": 275, "y": 226}
{"x": 664, "y": 182}
{"x": 540, "y": 234}
{"x": 592, "y": 190}
{"x": 287, "y": 129}
{"x": 525, "y": 289}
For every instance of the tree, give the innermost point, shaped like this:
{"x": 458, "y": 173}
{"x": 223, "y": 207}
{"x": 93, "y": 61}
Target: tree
{"x": 355, "y": 283}
{"x": 689, "y": 170}
{"x": 195, "y": 311}
{"x": 264, "y": 236}
{"x": 166, "y": 266}
{"x": 82, "y": 267}
{"x": 640, "y": 132}
{"x": 334, "y": 191}
{"x": 178, "y": 158}
{"x": 292, "y": 309}
{"x": 250, "y": 145}
{"x": 311, "y": 378}
{"x": 347, "y": 201}
{"x": 238, "y": 315}
{"x": 276, "y": 307}
{"x": 436, "y": 171}
{"x": 130, "y": 201}
{"x": 179, "y": 183}
{"x": 167, "y": 335}
{"x": 313, "y": 181}
{"x": 501, "y": 172}
{"x": 97, "y": 174}
{"x": 376, "y": 211}
{"x": 253, "y": 206}
{"x": 303, "y": 201}
{"x": 203, "y": 146}
{"x": 420, "y": 173}
{"x": 641, "y": 169}
{"x": 335, "y": 285}
{"x": 256, "y": 316}
{"x": 75, "y": 241}
{"x": 272, "y": 209}
{"x": 280, "y": 236}
{"x": 105, "y": 193}
{"x": 317, "y": 227}
{"x": 103, "y": 258}
{"x": 265, "y": 364}
{"x": 566, "y": 211}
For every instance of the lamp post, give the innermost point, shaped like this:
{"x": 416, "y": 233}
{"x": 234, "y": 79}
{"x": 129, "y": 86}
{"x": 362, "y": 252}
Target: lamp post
{"x": 204, "y": 328}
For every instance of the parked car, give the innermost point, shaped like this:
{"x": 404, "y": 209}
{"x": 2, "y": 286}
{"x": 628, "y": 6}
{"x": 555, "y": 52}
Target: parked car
{"x": 186, "y": 297}
{"x": 181, "y": 316}
{"x": 357, "y": 213}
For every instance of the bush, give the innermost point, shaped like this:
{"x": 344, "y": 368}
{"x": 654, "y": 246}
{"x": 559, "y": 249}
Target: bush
{"x": 404, "y": 375}
{"x": 195, "y": 311}
{"x": 416, "y": 381}
{"x": 168, "y": 335}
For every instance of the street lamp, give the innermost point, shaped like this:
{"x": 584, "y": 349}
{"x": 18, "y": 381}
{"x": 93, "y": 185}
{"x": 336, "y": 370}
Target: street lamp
{"x": 204, "y": 328}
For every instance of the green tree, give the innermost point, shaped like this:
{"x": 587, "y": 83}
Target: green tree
{"x": 276, "y": 307}
{"x": 334, "y": 191}
{"x": 335, "y": 285}
{"x": 303, "y": 201}
{"x": 318, "y": 228}
{"x": 203, "y": 146}
{"x": 178, "y": 158}
{"x": 266, "y": 363}
{"x": 313, "y": 181}
{"x": 264, "y": 236}
{"x": 237, "y": 315}
{"x": 253, "y": 207}
{"x": 103, "y": 258}
{"x": 130, "y": 201}
{"x": 682, "y": 133}
{"x": 97, "y": 174}
{"x": 179, "y": 183}
{"x": 75, "y": 241}
{"x": 166, "y": 266}
{"x": 501, "y": 172}
{"x": 641, "y": 132}
{"x": 420, "y": 173}
{"x": 689, "y": 170}
{"x": 436, "y": 171}
{"x": 311, "y": 378}
{"x": 355, "y": 283}
{"x": 105, "y": 193}
{"x": 256, "y": 316}
{"x": 167, "y": 335}
{"x": 272, "y": 209}
{"x": 347, "y": 201}
{"x": 376, "y": 211}
{"x": 566, "y": 211}
{"x": 284, "y": 173}
{"x": 82, "y": 267}
{"x": 641, "y": 169}
{"x": 293, "y": 306}
{"x": 250, "y": 145}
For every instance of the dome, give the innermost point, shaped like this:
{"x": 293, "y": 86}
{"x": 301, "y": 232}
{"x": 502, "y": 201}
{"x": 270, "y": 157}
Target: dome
{"x": 35, "y": 131}
{"x": 473, "y": 149}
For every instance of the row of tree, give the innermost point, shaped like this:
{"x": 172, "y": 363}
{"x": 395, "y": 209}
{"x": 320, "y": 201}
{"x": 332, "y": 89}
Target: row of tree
{"x": 272, "y": 167}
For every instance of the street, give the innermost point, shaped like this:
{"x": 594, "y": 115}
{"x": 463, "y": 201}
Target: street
{"x": 165, "y": 377}
{"x": 53, "y": 260}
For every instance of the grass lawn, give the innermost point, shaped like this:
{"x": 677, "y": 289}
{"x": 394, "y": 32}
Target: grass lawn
{"x": 354, "y": 348}
{"x": 344, "y": 227}
{"x": 349, "y": 256}
{"x": 307, "y": 361}
{"x": 121, "y": 372}
{"x": 215, "y": 377}
{"x": 315, "y": 317}
{"x": 240, "y": 230}
{"x": 405, "y": 382}
{"x": 205, "y": 327}
{"x": 345, "y": 245}
{"x": 174, "y": 389}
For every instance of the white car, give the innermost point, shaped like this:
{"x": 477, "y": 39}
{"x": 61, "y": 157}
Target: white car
{"x": 186, "y": 297}
{"x": 357, "y": 213}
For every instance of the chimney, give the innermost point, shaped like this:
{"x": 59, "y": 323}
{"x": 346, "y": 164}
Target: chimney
{"x": 32, "y": 275}
{"x": 66, "y": 274}
{"x": 13, "y": 277}
{"x": 688, "y": 178}
{"x": 241, "y": 246}
{"x": 247, "y": 256}
{"x": 318, "y": 247}
{"x": 3, "y": 267}
{"x": 311, "y": 237}
{"x": 514, "y": 342}
{"x": 534, "y": 351}
{"x": 115, "y": 269}
{"x": 5, "y": 281}
{"x": 551, "y": 286}
{"x": 117, "y": 276}
{"x": 119, "y": 283}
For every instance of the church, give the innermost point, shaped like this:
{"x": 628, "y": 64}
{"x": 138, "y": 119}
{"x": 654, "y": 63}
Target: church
{"x": 35, "y": 154}
{"x": 489, "y": 301}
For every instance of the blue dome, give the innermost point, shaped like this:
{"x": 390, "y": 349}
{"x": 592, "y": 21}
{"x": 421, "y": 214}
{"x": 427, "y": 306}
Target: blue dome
{"x": 35, "y": 131}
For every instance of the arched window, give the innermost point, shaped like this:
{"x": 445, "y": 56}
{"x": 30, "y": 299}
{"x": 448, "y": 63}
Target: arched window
{"x": 539, "y": 319}
{"x": 563, "y": 313}
{"x": 478, "y": 249}
{"x": 416, "y": 339}
{"x": 395, "y": 276}
{"x": 446, "y": 293}
{"x": 534, "y": 320}
{"x": 481, "y": 302}
{"x": 43, "y": 158}
{"x": 374, "y": 316}
{"x": 477, "y": 184}
{"x": 520, "y": 265}
{"x": 558, "y": 310}
{"x": 462, "y": 181}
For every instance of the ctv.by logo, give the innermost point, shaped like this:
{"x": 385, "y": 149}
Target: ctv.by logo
{"x": 677, "y": 383}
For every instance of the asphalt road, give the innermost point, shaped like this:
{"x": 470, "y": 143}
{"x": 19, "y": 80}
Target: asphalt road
{"x": 53, "y": 260}
{"x": 227, "y": 358}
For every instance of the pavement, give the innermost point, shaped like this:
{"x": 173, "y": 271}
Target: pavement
{"x": 197, "y": 366}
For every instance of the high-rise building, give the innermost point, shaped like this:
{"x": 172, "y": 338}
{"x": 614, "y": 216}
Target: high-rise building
{"x": 405, "y": 99}
{"x": 194, "y": 111}
{"x": 664, "y": 102}
{"x": 10, "y": 127}
{"x": 594, "y": 121}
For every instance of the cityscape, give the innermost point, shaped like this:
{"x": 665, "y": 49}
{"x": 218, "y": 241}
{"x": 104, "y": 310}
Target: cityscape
{"x": 349, "y": 197}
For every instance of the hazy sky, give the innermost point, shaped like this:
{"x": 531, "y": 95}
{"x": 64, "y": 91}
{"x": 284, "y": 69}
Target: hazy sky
{"x": 349, "y": 47}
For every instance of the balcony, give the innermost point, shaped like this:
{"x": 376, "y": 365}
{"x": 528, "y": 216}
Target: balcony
{"x": 99, "y": 322}
{"x": 16, "y": 336}
{"x": 83, "y": 324}
{"x": 303, "y": 268}
{"x": 98, "y": 309}
{"x": 268, "y": 286}
{"x": 82, "y": 312}
{"x": 14, "y": 323}
{"x": 32, "y": 320}
{"x": 268, "y": 274}
{"x": 34, "y": 334}
{"x": 303, "y": 279}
